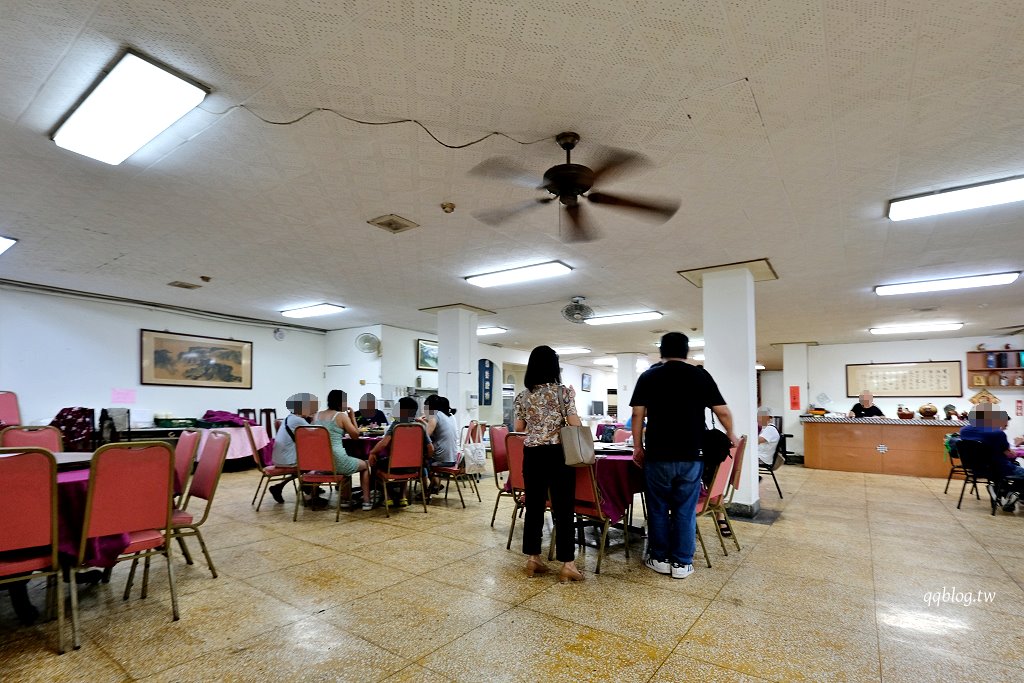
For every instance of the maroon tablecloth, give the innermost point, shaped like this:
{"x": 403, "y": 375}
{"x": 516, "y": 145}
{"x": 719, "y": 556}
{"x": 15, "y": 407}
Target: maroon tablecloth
{"x": 361, "y": 447}
{"x": 603, "y": 427}
{"x": 619, "y": 480}
{"x": 102, "y": 551}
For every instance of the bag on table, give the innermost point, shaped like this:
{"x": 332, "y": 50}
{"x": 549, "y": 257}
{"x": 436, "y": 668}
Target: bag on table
{"x": 577, "y": 442}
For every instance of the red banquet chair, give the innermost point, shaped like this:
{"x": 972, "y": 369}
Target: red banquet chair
{"x": 499, "y": 460}
{"x": 621, "y": 435}
{"x": 28, "y": 524}
{"x": 405, "y": 460}
{"x": 130, "y": 491}
{"x": 33, "y": 437}
{"x": 315, "y": 463}
{"x": 268, "y": 473}
{"x": 9, "y": 413}
{"x": 203, "y": 487}
{"x": 514, "y": 444}
{"x": 184, "y": 458}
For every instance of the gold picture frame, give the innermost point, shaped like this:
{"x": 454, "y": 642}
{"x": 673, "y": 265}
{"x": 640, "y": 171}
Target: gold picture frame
{"x": 189, "y": 360}
{"x": 926, "y": 379}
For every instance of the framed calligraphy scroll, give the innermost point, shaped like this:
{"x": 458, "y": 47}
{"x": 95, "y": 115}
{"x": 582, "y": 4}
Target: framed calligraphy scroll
{"x": 906, "y": 380}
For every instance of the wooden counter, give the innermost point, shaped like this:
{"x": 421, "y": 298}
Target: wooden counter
{"x": 884, "y": 446}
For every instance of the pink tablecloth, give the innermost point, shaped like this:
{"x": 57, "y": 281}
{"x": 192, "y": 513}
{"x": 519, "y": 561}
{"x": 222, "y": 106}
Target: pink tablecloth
{"x": 239, "y": 447}
{"x": 102, "y": 551}
{"x": 619, "y": 480}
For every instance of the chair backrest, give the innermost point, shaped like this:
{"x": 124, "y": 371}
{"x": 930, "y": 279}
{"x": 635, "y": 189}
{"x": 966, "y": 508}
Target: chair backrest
{"x": 268, "y": 416}
{"x": 499, "y": 454}
{"x": 719, "y": 483}
{"x": 313, "y": 449}
{"x": 621, "y": 435}
{"x": 9, "y": 413}
{"x": 514, "y": 444}
{"x": 28, "y": 506}
{"x": 737, "y": 459}
{"x": 976, "y": 458}
{"x": 406, "y": 447}
{"x": 130, "y": 486}
{"x": 211, "y": 464}
{"x": 184, "y": 455}
{"x": 252, "y": 446}
{"x": 587, "y": 499}
{"x": 248, "y": 413}
{"x": 34, "y": 437}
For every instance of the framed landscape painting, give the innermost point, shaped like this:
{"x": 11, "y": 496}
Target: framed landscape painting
{"x": 426, "y": 354}
{"x": 188, "y": 360}
{"x": 585, "y": 382}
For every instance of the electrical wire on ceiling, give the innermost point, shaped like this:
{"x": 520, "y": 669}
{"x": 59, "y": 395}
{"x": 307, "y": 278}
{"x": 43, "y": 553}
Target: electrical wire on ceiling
{"x": 378, "y": 123}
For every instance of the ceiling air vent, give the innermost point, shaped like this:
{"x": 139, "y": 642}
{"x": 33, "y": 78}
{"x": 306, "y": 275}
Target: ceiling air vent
{"x": 183, "y": 285}
{"x": 393, "y": 223}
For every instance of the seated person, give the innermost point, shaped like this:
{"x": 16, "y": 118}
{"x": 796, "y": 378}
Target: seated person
{"x": 284, "y": 442}
{"x": 767, "y": 436}
{"x": 368, "y": 415}
{"x": 339, "y": 421}
{"x": 865, "y": 407}
{"x": 987, "y": 426}
{"x": 407, "y": 409}
{"x": 444, "y": 435}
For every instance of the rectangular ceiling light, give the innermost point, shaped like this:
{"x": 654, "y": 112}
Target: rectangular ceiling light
{"x": 919, "y": 327}
{"x": 486, "y": 331}
{"x": 571, "y": 350}
{"x": 624, "y": 318}
{"x": 311, "y": 311}
{"x": 947, "y": 284}
{"x": 525, "y": 274}
{"x": 958, "y": 199}
{"x": 6, "y": 243}
{"x": 133, "y": 104}
{"x": 610, "y": 362}
{"x": 758, "y": 366}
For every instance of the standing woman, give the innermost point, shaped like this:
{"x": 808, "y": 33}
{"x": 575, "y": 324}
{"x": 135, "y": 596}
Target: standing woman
{"x": 539, "y": 412}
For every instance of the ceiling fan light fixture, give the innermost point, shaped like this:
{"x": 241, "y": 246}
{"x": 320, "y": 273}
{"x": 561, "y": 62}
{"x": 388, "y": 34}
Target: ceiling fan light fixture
{"x": 136, "y": 101}
{"x": 948, "y": 284}
{"x": 623, "y": 318}
{"x": 957, "y": 199}
{"x": 538, "y": 271}
{"x": 312, "y": 311}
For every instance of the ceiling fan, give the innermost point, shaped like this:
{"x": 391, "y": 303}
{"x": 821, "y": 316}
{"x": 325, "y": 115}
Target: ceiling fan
{"x": 569, "y": 182}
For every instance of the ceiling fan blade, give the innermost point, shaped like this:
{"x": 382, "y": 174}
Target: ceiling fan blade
{"x": 502, "y": 214}
{"x": 615, "y": 161}
{"x": 507, "y": 170}
{"x": 580, "y": 229}
{"x": 662, "y": 210}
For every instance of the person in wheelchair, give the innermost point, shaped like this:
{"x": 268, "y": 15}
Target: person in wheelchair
{"x": 988, "y": 426}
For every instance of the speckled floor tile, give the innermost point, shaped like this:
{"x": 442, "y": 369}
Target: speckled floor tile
{"x": 414, "y": 673}
{"x": 495, "y": 573}
{"x": 230, "y": 533}
{"x": 850, "y": 569}
{"x": 661, "y": 616}
{"x": 35, "y": 660}
{"x": 814, "y": 599}
{"x": 252, "y": 559}
{"x": 414, "y": 617}
{"x": 345, "y": 536}
{"x": 682, "y": 668}
{"x": 903, "y": 663}
{"x": 777, "y": 647}
{"x": 912, "y": 585}
{"x": 417, "y": 553}
{"x": 309, "y": 650}
{"x": 523, "y": 645}
{"x": 971, "y": 559}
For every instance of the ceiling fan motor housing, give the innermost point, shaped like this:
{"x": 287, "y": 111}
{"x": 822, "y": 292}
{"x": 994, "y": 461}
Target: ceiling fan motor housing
{"x": 568, "y": 181}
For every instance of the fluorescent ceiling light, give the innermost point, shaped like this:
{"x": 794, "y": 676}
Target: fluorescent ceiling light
{"x": 6, "y": 243}
{"x": 697, "y": 356}
{"x": 525, "y": 274}
{"x": 133, "y": 104}
{"x": 486, "y": 331}
{"x": 759, "y": 367}
{"x": 606, "y": 361}
{"x": 947, "y": 284}
{"x": 919, "y": 327}
{"x": 571, "y": 350}
{"x": 624, "y": 318}
{"x": 958, "y": 199}
{"x": 311, "y": 311}
{"x": 694, "y": 344}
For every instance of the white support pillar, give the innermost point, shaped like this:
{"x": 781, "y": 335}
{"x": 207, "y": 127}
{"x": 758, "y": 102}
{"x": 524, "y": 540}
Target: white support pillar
{"x": 729, "y": 336}
{"x": 626, "y": 376}
{"x": 795, "y": 381}
{"x": 456, "y": 361}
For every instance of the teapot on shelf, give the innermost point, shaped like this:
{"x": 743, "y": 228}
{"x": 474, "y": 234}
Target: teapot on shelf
{"x": 904, "y": 413}
{"x": 928, "y": 411}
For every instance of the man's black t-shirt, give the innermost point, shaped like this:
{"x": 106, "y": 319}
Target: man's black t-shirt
{"x": 860, "y": 411}
{"x": 675, "y": 395}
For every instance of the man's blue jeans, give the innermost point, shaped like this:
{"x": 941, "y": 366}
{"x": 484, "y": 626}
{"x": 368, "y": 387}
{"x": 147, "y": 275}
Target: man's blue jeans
{"x": 672, "y": 492}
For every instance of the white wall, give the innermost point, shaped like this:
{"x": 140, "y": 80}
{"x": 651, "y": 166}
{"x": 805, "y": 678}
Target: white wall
{"x": 57, "y": 351}
{"x": 827, "y": 372}
{"x": 772, "y": 391}
{"x": 398, "y": 365}
{"x": 349, "y": 369}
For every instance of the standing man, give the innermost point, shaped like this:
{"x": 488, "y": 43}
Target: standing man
{"x": 672, "y": 397}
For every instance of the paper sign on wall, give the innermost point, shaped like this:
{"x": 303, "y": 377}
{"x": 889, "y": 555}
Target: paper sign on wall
{"x": 794, "y": 397}
{"x": 122, "y": 396}
{"x": 1020, "y": 408}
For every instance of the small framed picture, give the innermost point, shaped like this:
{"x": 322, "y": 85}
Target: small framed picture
{"x": 585, "y": 382}
{"x": 426, "y": 354}
{"x": 978, "y": 380}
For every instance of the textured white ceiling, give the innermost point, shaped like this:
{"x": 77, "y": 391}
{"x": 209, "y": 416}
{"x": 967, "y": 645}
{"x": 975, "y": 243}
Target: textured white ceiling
{"x": 783, "y": 126}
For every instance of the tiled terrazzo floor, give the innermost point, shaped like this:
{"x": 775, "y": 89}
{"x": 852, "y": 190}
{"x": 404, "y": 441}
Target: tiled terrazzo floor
{"x": 834, "y": 589}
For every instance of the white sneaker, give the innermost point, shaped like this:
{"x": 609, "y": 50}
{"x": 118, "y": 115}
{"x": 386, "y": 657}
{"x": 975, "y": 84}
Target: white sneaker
{"x": 681, "y": 571}
{"x": 658, "y": 565}
{"x": 367, "y": 506}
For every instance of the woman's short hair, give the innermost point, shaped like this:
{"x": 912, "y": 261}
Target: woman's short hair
{"x": 542, "y": 368}
{"x": 439, "y": 404}
{"x": 336, "y": 399}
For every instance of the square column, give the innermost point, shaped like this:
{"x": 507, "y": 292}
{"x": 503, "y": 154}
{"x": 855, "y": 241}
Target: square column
{"x": 626, "y": 376}
{"x": 729, "y": 352}
{"x": 456, "y": 361}
{"x": 794, "y": 379}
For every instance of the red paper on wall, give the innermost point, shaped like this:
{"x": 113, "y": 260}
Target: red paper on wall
{"x": 794, "y": 397}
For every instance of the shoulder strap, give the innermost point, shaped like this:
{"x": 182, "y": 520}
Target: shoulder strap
{"x": 561, "y": 404}
{"x": 289, "y": 429}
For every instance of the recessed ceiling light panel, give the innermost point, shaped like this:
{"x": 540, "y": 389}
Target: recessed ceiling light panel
{"x": 917, "y": 327}
{"x": 487, "y": 331}
{"x": 311, "y": 311}
{"x": 958, "y": 199}
{"x": 571, "y": 350}
{"x": 537, "y": 271}
{"x": 947, "y": 284}
{"x": 624, "y": 318}
{"x": 6, "y": 243}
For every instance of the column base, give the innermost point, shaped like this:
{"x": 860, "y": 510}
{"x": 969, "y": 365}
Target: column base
{"x": 746, "y": 510}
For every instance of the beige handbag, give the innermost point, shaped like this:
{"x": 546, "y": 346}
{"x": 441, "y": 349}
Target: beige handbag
{"x": 577, "y": 442}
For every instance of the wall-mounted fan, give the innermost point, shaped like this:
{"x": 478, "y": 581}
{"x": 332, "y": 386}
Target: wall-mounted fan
{"x": 577, "y": 311}
{"x": 368, "y": 343}
{"x": 569, "y": 182}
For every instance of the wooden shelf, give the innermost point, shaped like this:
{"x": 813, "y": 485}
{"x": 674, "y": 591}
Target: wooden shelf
{"x": 986, "y": 369}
